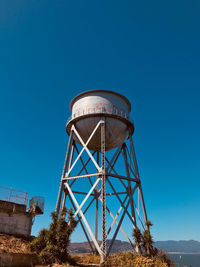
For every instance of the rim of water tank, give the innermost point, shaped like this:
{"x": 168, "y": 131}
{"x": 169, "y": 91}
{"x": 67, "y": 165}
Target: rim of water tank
{"x": 73, "y": 121}
{"x": 100, "y": 90}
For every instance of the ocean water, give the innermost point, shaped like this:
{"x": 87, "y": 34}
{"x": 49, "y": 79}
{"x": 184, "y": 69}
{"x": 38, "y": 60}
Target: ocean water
{"x": 186, "y": 260}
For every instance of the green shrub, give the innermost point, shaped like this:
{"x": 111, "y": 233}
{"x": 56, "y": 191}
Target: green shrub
{"x": 52, "y": 244}
{"x": 164, "y": 258}
{"x": 144, "y": 243}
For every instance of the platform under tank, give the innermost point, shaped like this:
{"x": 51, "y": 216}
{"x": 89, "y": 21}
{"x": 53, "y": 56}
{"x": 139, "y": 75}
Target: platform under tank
{"x": 87, "y": 110}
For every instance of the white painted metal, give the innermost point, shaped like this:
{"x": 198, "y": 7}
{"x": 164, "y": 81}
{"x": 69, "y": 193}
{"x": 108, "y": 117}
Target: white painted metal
{"x": 85, "y": 146}
{"x": 95, "y": 100}
{"x": 85, "y": 199}
{"x": 116, "y": 222}
{"x": 84, "y": 219}
{"x": 87, "y": 110}
{"x": 97, "y": 125}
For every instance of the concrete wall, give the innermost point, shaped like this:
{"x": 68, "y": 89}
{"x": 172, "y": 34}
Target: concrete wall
{"x": 18, "y": 260}
{"x": 15, "y": 223}
{"x": 8, "y": 206}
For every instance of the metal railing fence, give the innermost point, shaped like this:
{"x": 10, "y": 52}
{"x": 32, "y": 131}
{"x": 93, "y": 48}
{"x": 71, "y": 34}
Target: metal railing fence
{"x": 36, "y": 205}
{"x": 13, "y": 195}
{"x": 93, "y": 110}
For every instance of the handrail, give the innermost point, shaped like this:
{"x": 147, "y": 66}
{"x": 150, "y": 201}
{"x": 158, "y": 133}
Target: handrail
{"x": 13, "y": 195}
{"x": 112, "y": 111}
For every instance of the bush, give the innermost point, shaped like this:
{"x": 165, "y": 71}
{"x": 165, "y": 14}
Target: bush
{"x": 39, "y": 243}
{"x": 164, "y": 258}
{"x": 132, "y": 260}
{"x": 52, "y": 244}
{"x": 144, "y": 243}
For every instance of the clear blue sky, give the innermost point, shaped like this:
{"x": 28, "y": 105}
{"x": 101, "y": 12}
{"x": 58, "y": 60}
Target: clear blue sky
{"x": 147, "y": 50}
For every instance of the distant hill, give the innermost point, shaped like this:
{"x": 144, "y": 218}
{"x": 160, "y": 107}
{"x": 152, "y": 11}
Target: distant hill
{"x": 190, "y": 246}
{"x": 179, "y": 246}
{"x": 83, "y": 247}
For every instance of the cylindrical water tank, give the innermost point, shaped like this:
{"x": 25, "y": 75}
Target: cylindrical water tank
{"x": 87, "y": 110}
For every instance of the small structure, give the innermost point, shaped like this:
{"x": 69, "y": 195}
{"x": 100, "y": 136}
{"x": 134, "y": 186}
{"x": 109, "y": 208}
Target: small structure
{"x": 15, "y": 218}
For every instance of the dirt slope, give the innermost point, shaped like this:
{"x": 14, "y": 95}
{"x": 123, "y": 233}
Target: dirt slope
{"x": 12, "y": 244}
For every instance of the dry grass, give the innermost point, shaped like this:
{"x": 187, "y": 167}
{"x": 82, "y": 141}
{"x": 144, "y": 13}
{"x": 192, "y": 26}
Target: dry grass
{"x": 86, "y": 258}
{"x": 119, "y": 260}
{"x": 132, "y": 260}
{"x": 12, "y": 244}
{"x": 116, "y": 260}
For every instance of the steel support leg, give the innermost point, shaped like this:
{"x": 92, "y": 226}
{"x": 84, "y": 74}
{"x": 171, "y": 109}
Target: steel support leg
{"x": 97, "y": 204}
{"x": 70, "y": 163}
{"x": 139, "y": 187}
{"x": 103, "y": 191}
{"x": 129, "y": 183}
{"x": 63, "y": 173}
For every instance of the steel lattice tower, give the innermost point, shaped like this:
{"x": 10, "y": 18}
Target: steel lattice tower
{"x": 100, "y": 127}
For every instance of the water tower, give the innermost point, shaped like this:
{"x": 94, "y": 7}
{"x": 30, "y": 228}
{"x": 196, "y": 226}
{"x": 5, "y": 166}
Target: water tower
{"x": 100, "y": 173}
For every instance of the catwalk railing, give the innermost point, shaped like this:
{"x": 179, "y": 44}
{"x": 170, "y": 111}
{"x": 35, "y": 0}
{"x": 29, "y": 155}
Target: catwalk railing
{"x": 13, "y": 195}
{"x": 105, "y": 110}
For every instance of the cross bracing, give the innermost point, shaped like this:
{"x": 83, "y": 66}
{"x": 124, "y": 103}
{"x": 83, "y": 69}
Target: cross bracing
{"x": 110, "y": 179}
